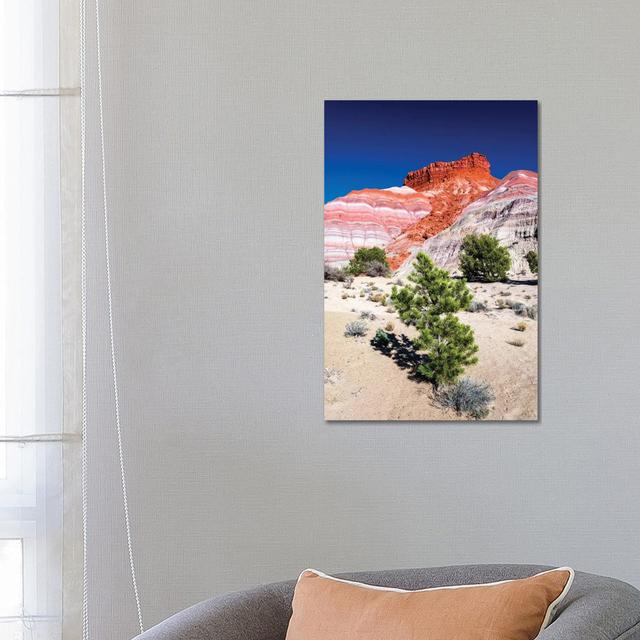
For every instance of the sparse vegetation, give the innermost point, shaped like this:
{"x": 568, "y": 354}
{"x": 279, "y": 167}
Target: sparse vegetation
{"x": 467, "y": 396}
{"x": 389, "y": 326}
{"x": 367, "y": 315}
{"x": 529, "y": 311}
{"x": 338, "y": 274}
{"x": 532, "y": 260}
{"x": 516, "y": 343}
{"x": 430, "y": 305}
{"x": 484, "y": 259}
{"x": 381, "y": 337}
{"x": 519, "y": 308}
{"x": 521, "y": 326}
{"x": 356, "y": 329}
{"x": 373, "y": 258}
{"x": 476, "y": 306}
{"x": 376, "y": 268}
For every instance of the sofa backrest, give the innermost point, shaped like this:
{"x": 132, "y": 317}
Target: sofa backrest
{"x": 595, "y": 607}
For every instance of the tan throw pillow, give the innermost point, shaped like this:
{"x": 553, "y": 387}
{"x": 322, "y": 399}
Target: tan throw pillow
{"x": 326, "y": 608}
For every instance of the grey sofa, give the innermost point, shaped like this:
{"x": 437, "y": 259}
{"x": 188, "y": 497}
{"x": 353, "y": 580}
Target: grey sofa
{"x": 596, "y": 608}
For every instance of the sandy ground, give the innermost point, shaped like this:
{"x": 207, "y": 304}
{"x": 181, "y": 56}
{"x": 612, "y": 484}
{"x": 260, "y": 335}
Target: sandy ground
{"x": 362, "y": 383}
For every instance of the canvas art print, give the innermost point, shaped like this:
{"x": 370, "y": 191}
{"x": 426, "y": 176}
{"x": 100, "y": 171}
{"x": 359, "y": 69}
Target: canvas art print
{"x": 431, "y": 260}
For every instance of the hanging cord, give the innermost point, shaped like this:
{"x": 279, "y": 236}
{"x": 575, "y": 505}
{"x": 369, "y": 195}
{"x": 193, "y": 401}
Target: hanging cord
{"x": 105, "y": 209}
{"x": 83, "y": 313}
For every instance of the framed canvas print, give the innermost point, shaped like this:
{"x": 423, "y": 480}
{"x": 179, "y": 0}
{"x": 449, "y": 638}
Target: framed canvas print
{"x": 431, "y": 260}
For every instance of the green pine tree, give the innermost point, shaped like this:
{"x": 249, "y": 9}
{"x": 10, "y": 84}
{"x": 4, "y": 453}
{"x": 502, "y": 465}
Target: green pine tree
{"x": 450, "y": 347}
{"x": 429, "y": 305}
{"x": 532, "y": 260}
{"x": 484, "y": 259}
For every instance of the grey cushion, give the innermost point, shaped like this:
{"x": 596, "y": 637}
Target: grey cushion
{"x": 596, "y": 608}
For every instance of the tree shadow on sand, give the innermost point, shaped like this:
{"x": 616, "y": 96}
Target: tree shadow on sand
{"x": 403, "y": 352}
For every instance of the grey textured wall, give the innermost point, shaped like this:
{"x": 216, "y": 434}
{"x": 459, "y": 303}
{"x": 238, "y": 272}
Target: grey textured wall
{"x": 214, "y": 147}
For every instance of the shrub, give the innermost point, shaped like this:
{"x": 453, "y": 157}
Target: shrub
{"x": 516, "y": 343}
{"x": 484, "y": 259}
{"x": 380, "y": 298}
{"x": 532, "y": 260}
{"x": 338, "y": 274}
{"x": 367, "y": 315}
{"x": 467, "y": 396}
{"x": 356, "y": 329}
{"x": 366, "y": 257}
{"x": 381, "y": 337}
{"x": 389, "y": 326}
{"x": 429, "y": 306}
{"x": 521, "y": 309}
{"x": 376, "y": 268}
{"x": 521, "y": 326}
{"x": 476, "y": 306}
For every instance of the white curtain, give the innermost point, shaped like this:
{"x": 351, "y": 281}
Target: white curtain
{"x": 39, "y": 541}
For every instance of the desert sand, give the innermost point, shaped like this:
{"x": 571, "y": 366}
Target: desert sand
{"x": 362, "y": 383}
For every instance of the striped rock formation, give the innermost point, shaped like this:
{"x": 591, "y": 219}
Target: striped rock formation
{"x": 369, "y": 218}
{"x": 509, "y": 212}
{"x": 401, "y": 218}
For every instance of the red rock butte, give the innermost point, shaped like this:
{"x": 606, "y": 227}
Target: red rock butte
{"x": 473, "y": 165}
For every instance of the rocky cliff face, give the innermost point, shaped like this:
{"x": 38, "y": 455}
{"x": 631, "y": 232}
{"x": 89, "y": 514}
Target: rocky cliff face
{"x": 369, "y": 218}
{"x": 509, "y": 212}
{"x": 450, "y": 187}
{"x": 401, "y": 218}
{"x": 436, "y": 172}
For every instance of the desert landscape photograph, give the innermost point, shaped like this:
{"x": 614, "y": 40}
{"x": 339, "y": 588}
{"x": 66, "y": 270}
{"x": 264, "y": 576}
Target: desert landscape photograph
{"x": 431, "y": 260}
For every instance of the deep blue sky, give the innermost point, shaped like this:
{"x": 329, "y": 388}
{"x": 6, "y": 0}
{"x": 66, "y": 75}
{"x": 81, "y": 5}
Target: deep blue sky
{"x": 375, "y": 143}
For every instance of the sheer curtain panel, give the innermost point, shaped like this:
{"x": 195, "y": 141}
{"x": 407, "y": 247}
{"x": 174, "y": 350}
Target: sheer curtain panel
{"x": 40, "y": 377}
